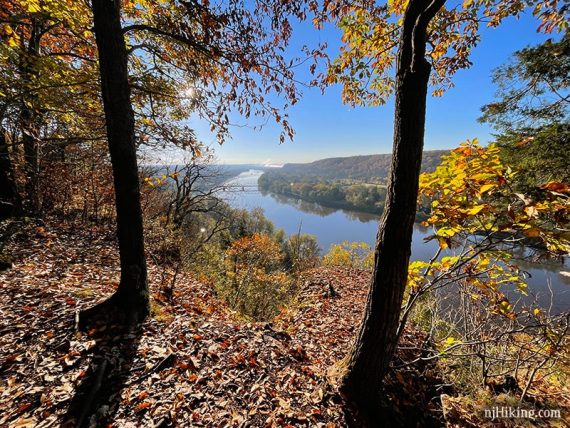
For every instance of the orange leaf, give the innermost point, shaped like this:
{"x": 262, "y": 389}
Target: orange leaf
{"x": 555, "y": 186}
{"x": 142, "y": 396}
{"x": 443, "y": 244}
{"x": 532, "y": 232}
{"x": 142, "y": 406}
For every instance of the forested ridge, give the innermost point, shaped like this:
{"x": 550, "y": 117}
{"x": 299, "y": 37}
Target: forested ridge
{"x": 366, "y": 168}
{"x": 134, "y": 292}
{"x": 355, "y": 183}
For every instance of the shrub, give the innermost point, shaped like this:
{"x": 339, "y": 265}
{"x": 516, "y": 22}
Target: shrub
{"x": 301, "y": 252}
{"x": 357, "y": 255}
{"x": 255, "y": 283}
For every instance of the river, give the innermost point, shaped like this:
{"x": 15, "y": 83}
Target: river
{"x": 330, "y": 226}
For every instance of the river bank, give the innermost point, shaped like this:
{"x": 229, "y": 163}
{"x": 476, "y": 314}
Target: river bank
{"x": 549, "y": 280}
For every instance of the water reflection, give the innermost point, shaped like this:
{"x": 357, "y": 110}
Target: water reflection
{"x": 320, "y": 210}
{"x": 331, "y": 226}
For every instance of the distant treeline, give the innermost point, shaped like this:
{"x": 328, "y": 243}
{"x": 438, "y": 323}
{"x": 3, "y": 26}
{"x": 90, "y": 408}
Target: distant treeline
{"x": 369, "y": 169}
{"x": 336, "y": 194}
{"x": 354, "y": 183}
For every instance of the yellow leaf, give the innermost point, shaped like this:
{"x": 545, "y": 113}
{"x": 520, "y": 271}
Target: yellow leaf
{"x": 33, "y": 7}
{"x": 487, "y": 187}
{"x": 505, "y": 307}
{"x": 451, "y": 341}
{"x": 476, "y": 209}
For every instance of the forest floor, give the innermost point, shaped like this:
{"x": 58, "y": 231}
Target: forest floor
{"x": 194, "y": 362}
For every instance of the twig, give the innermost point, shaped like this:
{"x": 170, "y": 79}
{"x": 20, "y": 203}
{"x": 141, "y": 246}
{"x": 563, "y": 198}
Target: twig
{"x": 161, "y": 365}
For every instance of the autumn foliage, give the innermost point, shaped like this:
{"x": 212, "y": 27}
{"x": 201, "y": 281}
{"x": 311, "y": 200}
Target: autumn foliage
{"x": 471, "y": 192}
{"x": 256, "y": 284}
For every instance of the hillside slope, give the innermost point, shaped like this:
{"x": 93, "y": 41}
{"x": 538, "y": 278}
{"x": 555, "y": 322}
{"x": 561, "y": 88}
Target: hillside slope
{"x": 354, "y": 167}
{"x": 193, "y": 363}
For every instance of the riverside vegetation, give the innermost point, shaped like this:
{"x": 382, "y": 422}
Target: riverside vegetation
{"x": 355, "y": 183}
{"x": 135, "y": 296}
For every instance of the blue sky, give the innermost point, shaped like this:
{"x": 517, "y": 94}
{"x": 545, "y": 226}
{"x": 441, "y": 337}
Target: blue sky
{"x": 326, "y": 128}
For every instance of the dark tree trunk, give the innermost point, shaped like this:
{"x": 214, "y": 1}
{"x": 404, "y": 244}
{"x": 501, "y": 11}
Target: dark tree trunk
{"x": 376, "y": 341}
{"x": 132, "y": 297}
{"x": 10, "y": 202}
{"x": 30, "y": 119}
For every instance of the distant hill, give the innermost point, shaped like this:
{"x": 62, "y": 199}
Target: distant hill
{"x": 362, "y": 168}
{"x": 355, "y": 183}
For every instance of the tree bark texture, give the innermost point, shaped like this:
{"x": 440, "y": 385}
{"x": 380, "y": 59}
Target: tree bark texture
{"x": 132, "y": 295}
{"x": 30, "y": 119}
{"x": 374, "y": 348}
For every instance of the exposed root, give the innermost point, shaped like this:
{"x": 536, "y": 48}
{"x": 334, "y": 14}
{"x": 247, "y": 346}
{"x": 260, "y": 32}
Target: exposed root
{"x": 114, "y": 310}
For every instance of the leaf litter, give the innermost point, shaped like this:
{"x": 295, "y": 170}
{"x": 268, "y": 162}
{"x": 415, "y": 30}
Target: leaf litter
{"x": 197, "y": 364}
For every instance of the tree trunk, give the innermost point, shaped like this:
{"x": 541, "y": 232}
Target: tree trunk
{"x": 30, "y": 119}
{"x": 132, "y": 297}
{"x": 10, "y": 202}
{"x": 374, "y": 348}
